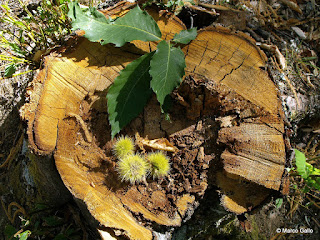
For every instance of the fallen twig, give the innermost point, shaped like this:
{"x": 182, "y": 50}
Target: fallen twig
{"x": 275, "y": 50}
{"x": 292, "y": 5}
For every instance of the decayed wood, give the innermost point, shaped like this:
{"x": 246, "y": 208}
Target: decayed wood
{"x": 254, "y": 160}
{"x": 226, "y": 109}
{"x": 239, "y": 194}
{"x": 236, "y": 62}
{"x": 254, "y": 138}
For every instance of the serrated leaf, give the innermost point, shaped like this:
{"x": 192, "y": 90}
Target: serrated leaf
{"x": 129, "y": 93}
{"x": 9, "y": 231}
{"x": 167, "y": 69}
{"x": 98, "y": 16}
{"x": 185, "y": 36}
{"x": 301, "y": 163}
{"x": 313, "y": 183}
{"x": 135, "y": 25}
{"x": 312, "y": 171}
{"x": 279, "y": 202}
{"x": 10, "y": 70}
{"x": 24, "y": 235}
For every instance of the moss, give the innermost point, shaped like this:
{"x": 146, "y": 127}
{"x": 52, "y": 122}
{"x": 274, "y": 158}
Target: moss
{"x": 256, "y": 232}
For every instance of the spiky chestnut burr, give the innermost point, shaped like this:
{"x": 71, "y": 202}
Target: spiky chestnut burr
{"x": 124, "y": 146}
{"x": 133, "y": 168}
{"x": 160, "y": 165}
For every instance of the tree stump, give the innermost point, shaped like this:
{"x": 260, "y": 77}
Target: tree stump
{"x": 226, "y": 128}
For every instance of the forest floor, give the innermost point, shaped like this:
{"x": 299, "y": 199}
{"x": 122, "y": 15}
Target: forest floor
{"x": 288, "y": 31}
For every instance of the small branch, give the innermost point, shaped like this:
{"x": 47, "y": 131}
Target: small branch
{"x": 83, "y": 126}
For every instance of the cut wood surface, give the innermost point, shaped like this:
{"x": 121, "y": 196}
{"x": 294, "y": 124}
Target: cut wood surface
{"x": 226, "y": 115}
{"x": 256, "y": 147}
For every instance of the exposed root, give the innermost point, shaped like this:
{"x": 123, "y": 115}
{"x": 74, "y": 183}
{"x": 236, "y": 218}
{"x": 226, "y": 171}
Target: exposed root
{"x": 8, "y": 210}
{"x": 13, "y": 152}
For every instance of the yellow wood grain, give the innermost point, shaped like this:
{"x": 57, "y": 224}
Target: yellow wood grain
{"x": 229, "y": 61}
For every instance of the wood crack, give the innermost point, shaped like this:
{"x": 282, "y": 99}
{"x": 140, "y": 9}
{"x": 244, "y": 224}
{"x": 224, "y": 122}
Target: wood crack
{"x": 234, "y": 69}
{"x": 201, "y": 57}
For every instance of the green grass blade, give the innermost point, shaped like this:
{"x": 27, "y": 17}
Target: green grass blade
{"x": 10, "y": 70}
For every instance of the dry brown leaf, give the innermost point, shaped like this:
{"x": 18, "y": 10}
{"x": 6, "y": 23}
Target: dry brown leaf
{"x": 292, "y": 5}
{"x": 156, "y": 144}
{"x": 275, "y": 50}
